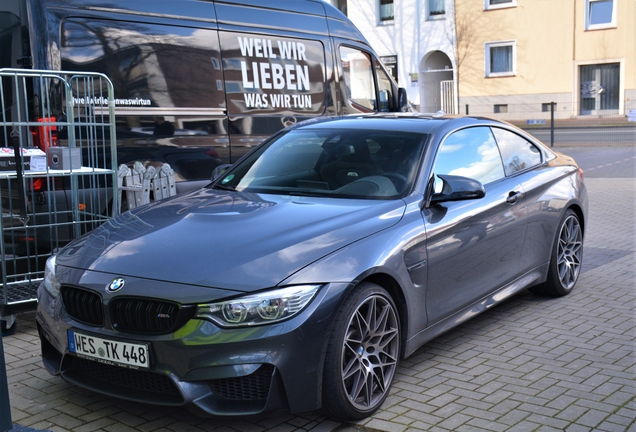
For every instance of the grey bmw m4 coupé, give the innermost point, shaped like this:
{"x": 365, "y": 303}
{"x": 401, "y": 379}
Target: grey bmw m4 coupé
{"x": 302, "y": 274}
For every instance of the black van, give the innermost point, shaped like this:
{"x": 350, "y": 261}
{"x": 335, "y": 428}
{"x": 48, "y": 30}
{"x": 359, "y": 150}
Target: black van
{"x": 198, "y": 83}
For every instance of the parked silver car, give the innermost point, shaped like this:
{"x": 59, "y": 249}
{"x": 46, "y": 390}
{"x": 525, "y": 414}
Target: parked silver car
{"x": 298, "y": 278}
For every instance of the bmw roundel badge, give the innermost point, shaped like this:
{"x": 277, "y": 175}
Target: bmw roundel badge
{"x": 115, "y": 285}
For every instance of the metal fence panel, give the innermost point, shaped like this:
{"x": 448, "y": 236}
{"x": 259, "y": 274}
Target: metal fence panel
{"x": 57, "y": 172}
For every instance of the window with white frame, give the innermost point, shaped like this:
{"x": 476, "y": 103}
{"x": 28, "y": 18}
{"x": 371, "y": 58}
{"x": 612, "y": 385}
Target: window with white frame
{"x": 600, "y": 14}
{"x": 386, "y": 11}
{"x": 498, "y": 4}
{"x": 500, "y": 59}
{"x": 435, "y": 9}
{"x": 341, "y": 5}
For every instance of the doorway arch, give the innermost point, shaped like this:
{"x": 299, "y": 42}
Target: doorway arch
{"x": 437, "y": 88}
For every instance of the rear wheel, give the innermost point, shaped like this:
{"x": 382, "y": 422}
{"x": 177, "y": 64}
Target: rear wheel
{"x": 362, "y": 354}
{"x": 567, "y": 257}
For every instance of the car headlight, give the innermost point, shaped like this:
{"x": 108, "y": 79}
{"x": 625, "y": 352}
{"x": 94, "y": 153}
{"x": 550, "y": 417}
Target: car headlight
{"x": 258, "y": 309}
{"x": 50, "y": 282}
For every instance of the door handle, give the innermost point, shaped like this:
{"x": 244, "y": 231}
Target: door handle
{"x": 513, "y": 197}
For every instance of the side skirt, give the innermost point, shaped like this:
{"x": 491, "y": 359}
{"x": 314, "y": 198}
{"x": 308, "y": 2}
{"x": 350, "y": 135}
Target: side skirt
{"x": 463, "y": 315}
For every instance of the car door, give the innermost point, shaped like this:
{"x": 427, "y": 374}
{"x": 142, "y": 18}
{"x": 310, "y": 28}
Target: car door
{"x": 524, "y": 161}
{"x": 473, "y": 246}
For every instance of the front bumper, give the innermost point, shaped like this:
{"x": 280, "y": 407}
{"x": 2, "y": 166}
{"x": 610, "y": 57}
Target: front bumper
{"x": 221, "y": 372}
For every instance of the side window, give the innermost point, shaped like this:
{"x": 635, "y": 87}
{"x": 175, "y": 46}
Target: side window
{"x": 358, "y": 79}
{"x": 150, "y": 65}
{"x": 472, "y": 153}
{"x": 518, "y": 153}
{"x": 385, "y": 93}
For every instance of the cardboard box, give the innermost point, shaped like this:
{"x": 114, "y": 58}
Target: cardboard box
{"x": 64, "y": 158}
{"x": 7, "y": 158}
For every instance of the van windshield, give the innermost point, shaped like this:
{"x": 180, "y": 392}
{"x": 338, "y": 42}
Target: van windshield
{"x": 340, "y": 163}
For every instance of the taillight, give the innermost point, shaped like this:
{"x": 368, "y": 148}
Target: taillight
{"x": 581, "y": 173}
{"x": 45, "y": 136}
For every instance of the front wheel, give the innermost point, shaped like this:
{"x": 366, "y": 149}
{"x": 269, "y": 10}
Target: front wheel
{"x": 362, "y": 354}
{"x": 567, "y": 258}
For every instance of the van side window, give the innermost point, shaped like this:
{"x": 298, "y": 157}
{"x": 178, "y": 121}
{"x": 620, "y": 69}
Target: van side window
{"x": 385, "y": 93}
{"x": 358, "y": 79}
{"x": 150, "y": 65}
{"x": 169, "y": 91}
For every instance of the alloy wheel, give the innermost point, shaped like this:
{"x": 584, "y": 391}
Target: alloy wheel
{"x": 569, "y": 252}
{"x": 370, "y": 352}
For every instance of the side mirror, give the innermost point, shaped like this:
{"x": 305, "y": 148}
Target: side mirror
{"x": 219, "y": 171}
{"x": 457, "y": 188}
{"x": 403, "y": 101}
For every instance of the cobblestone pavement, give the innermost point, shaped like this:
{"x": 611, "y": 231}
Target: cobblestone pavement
{"x": 530, "y": 364}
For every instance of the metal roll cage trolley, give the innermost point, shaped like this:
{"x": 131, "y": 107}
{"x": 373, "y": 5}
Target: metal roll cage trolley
{"x": 57, "y": 173}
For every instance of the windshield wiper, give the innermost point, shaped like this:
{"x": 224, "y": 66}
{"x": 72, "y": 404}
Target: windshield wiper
{"x": 308, "y": 194}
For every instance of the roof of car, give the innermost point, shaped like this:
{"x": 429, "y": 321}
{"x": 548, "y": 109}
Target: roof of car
{"x": 406, "y": 122}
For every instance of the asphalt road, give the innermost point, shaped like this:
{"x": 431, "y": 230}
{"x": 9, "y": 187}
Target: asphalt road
{"x": 604, "y": 162}
{"x": 620, "y": 135}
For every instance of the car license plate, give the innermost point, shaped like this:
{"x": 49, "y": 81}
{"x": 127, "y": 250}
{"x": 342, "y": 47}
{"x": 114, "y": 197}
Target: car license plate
{"x": 108, "y": 351}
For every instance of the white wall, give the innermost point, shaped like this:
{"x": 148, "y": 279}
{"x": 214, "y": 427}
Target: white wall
{"x": 411, "y": 36}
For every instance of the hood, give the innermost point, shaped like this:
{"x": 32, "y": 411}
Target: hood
{"x": 228, "y": 240}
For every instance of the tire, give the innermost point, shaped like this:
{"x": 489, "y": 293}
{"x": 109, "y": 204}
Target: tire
{"x": 566, "y": 259}
{"x": 362, "y": 354}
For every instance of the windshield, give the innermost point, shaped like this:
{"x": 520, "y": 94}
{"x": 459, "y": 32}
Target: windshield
{"x": 362, "y": 164}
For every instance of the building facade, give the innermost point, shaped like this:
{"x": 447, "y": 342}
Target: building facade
{"x": 507, "y": 57}
{"x": 522, "y": 55}
{"x": 415, "y": 40}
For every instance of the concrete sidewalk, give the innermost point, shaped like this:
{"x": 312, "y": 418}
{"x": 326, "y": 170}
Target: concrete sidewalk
{"x": 530, "y": 364}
